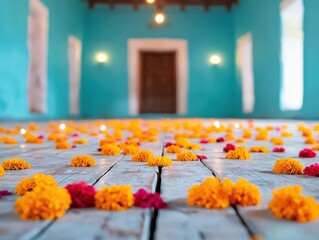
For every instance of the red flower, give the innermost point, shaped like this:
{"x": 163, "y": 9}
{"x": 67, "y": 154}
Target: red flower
{"x": 144, "y": 199}
{"x": 40, "y": 136}
{"x": 307, "y": 153}
{"x": 203, "y": 141}
{"x": 229, "y": 147}
{"x": 168, "y": 144}
{"x": 221, "y": 139}
{"x": 73, "y": 146}
{"x": 276, "y": 149}
{"x": 82, "y": 195}
{"x": 201, "y": 157}
{"x": 277, "y": 129}
{"x": 312, "y": 170}
{"x": 99, "y": 149}
{"x": 75, "y": 135}
{"x": 4, "y": 193}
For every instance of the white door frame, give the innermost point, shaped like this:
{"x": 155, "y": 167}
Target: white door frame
{"x": 135, "y": 46}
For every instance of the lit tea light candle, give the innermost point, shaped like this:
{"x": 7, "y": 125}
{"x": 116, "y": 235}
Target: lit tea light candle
{"x": 236, "y": 125}
{"x": 62, "y": 126}
{"x": 103, "y": 128}
{"x": 217, "y": 124}
{"x": 23, "y": 131}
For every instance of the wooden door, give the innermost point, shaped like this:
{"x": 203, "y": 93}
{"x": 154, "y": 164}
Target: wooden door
{"x": 158, "y": 82}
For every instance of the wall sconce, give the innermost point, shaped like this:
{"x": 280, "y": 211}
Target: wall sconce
{"x": 159, "y": 18}
{"x": 215, "y": 60}
{"x": 150, "y": 1}
{"x": 102, "y": 58}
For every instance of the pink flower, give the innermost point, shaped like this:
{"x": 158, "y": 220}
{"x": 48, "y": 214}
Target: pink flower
{"x": 73, "y": 146}
{"x": 75, "y": 135}
{"x": 4, "y": 193}
{"x": 221, "y": 139}
{"x": 143, "y": 199}
{"x": 276, "y": 149}
{"x": 277, "y": 129}
{"x": 40, "y": 136}
{"x": 168, "y": 144}
{"x": 82, "y": 195}
{"x": 203, "y": 141}
{"x": 307, "y": 153}
{"x": 229, "y": 147}
{"x": 312, "y": 170}
{"x": 201, "y": 157}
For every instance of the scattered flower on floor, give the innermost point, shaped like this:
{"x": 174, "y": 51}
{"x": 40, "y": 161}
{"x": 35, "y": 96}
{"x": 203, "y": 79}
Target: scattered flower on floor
{"x": 144, "y": 199}
{"x": 82, "y": 161}
{"x": 82, "y": 195}
{"x": 307, "y": 153}
{"x": 229, "y": 147}
{"x": 163, "y": 161}
{"x": 288, "y": 166}
{"x": 279, "y": 149}
{"x": 142, "y": 156}
{"x": 239, "y": 153}
{"x": 312, "y": 170}
{"x": 38, "y": 179}
{"x": 15, "y": 164}
{"x": 186, "y": 156}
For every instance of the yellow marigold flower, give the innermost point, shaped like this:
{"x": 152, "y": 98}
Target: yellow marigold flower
{"x": 34, "y": 139}
{"x": 287, "y": 134}
{"x": 173, "y": 149}
{"x": 194, "y": 146}
{"x": 182, "y": 142}
{"x": 259, "y": 149}
{"x": 62, "y": 145}
{"x": 311, "y": 140}
{"x": 277, "y": 141}
{"x": 52, "y": 137}
{"x": 306, "y": 132}
{"x": 110, "y": 150}
{"x": 82, "y": 161}
{"x": 15, "y": 164}
{"x": 211, "y": 140}
{"x": 240, "y": 140}
{"x": 288, "y": 203}
{"x": 2, "y": 172}
{"x": 142, "y": 156}
{"x": 28, "y": 184}
{"x": 9, "y": 140}
{"x": 93, "y": 134}
{"x": 186, "y": 156}
{"x": 261, "y": 137}
{"x": 239, "y": 153}
{"x": 114, "y": 198}
{"x": 245, "y": 193}
{"x": 315, "y": 147}
{"x": 80, "y": 141}
{"x": 34, "y": 127}
{"x": 163, "y": 161}
{"x": 229, "y": 137}
{"x": 108, "y": 140}
{"x": 130, "y": 149}
{"x": 288, "y": 166}
{"x": 43, "y": 202}
{"x": 61, "y": 139}
{"x": 247, "y": 134}
{"x": 212, "y": 193}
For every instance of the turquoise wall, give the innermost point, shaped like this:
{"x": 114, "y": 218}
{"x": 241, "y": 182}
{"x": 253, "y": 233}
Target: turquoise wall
{"x": 262, "y": 19}
{"x": 105, "y": 87}
{"x": 66, "y": 18}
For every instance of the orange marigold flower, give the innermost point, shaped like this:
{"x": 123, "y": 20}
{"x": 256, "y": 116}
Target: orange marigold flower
{"x": 288, "y": 166}
{"x": 173, "y": 149}
{"x": 245, "y": 193}
{"x": 44, "y": 202}
{"x": 110, "y": 150}
{"x": 288, "y": 203}
{"x": 2, "y": 172}
{"x": 182, "y": 142}
{"x": 247, "y": 134}
{"x": 114, "y": 198}
{"x": 62, "y": 145}
{"x": 163, "y": 161}
{"x": 277, "y": 141}
{"x": 61, "y": 139}
{"x": 194, "y": 146}
{"x": 82, "y": 161}
{"x": 130, "y": 149}
{"x": 28, "y": 184}
{"x": 240, "y": 140}
{"x": 52, "y": 137}
{"x": 108, "y": 140}
{"x": 259, "y": 149}
{"x": 186, "y": 156}
{"x": 15, "y": 164}
{"x": 229, "y": 137}
{"x": 311, "y": 140}
{"x": 287, "y": 134}
{"x": 142, "y": 156}
{"x": 80, "y": 141}
{"x": 261, "y": 137}
{"x": 8, "y": 140}
{"x": 315, "y": 147}
{"x": 239, "y": 153}
{"x": 34, "y": 139}
{"x": 211, "y": 193}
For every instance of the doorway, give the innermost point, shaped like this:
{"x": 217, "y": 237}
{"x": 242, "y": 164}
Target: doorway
{"x": 158, "y": 82}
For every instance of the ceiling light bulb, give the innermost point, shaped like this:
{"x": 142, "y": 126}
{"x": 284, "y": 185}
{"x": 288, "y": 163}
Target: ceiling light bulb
{"x": 215, "y": 59}
{"x": 159, "y": 18}
{"x": 23, "y": 131}
{"x": 150, "y": 1}
{"x": 62, "y": 126}
{"x": 102, "y": 58}
{"x": 103, "y": 128}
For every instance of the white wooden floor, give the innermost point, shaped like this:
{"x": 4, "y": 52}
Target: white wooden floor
{"x": 178, "y": 221}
